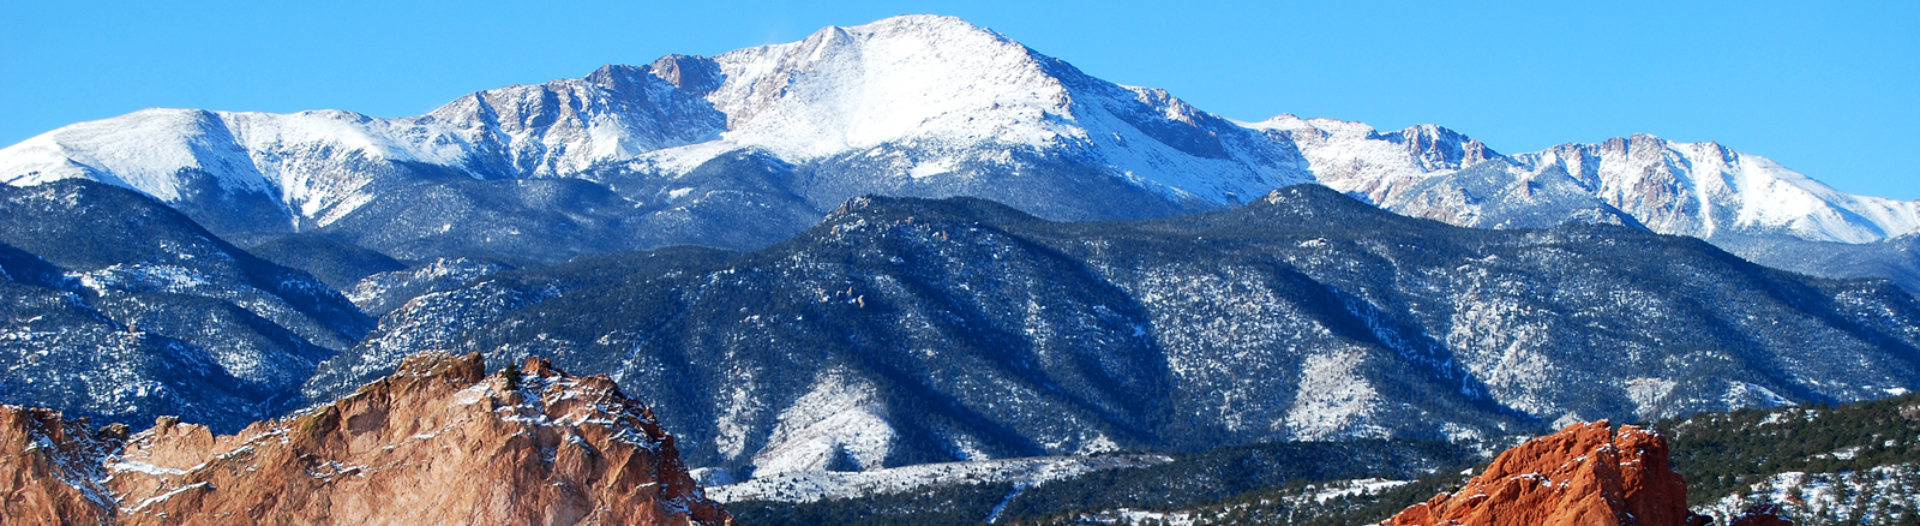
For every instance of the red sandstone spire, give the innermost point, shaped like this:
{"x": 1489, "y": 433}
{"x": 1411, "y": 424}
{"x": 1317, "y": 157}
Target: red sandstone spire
{"x": 1583, "y": 475}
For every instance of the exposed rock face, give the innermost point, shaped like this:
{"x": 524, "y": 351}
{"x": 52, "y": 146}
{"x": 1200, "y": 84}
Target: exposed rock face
{"x": 1583, "y": 475}
{"x": 50, "y": 467}
{"x": 438, "y": 442}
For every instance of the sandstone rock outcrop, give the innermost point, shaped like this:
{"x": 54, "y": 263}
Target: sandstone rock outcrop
{"x": 438, "y": 442}
{"x": 50, "y": 468}
{"x": 1583, "y": 475}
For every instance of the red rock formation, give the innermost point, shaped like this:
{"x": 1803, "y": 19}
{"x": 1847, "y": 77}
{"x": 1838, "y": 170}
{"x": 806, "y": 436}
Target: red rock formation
{"x": 50, "y": 468}
{"x": 1583, "y": 475}
{"x": 436, "y": 443}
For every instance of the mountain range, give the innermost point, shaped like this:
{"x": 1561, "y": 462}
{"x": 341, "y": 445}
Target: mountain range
{"x": 749, "y": 147}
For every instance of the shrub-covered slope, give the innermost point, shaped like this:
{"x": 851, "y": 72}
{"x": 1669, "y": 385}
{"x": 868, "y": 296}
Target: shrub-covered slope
{"x": 902, "y": 331}
{"x": 115, "y": 306}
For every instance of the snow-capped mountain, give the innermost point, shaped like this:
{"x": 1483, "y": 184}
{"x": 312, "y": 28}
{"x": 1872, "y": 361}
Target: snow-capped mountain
{"x": 752, "y": 146}
{"x": 916, "y": 105}
{"x": 1706, "y": 190}
{"x": 1360, "y": 160}
{"x": 1742, "y": 203}
{"x": 933, "y": 95}
{"x": 912, "y": 105}
{"x": 1702, "y": 190}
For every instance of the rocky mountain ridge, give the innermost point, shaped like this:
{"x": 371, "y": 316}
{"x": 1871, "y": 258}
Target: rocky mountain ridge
{"x": 437, "y": 442}
{"x": 1702, "y": 190}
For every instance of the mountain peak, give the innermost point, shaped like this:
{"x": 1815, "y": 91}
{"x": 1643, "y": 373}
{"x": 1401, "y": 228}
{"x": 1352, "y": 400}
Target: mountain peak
{"x": 915, "y": 24}
{"x": 1705, "y": 189}
{"x": 1440, "y": 147}
{"x": 918, "y": 33}
{"x": 689, "y": 73}
{"x": 938, "y": 79}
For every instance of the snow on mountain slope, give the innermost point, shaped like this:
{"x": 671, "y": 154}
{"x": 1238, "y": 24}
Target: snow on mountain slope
{"x": 1697, "y": 189}
{"x": 1355, "y": 158}
{"x": 307, "y": 163}
{"x": 839, "y": 424}
{"x": 566, "y": 127}
{"x": 916, "y": 105}
{"x": 308, "y": 159}
{"x": 812, "y": 486}
{"x": 116, "y": 307}
{"x": 926, "y": 102}
{"x": 1705, "y": 189}
{"x": 907, "y": 79}
{"x": 323, "y": 165}
{"x": 141, "y": 150}
{"x": 949, "y": 92}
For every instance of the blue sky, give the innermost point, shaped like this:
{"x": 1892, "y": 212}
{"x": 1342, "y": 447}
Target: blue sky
{"x": 1827, "y": 90}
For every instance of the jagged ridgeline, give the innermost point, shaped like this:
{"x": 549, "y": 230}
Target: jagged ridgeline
{"x": 902, "y": 331}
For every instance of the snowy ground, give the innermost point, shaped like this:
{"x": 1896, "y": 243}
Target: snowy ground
{"x": 1882, "y": 494}
{"x": 808, "y": 486}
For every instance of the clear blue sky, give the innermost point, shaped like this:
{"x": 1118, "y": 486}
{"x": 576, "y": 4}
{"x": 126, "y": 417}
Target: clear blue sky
{"x": 1829, "y": 90}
